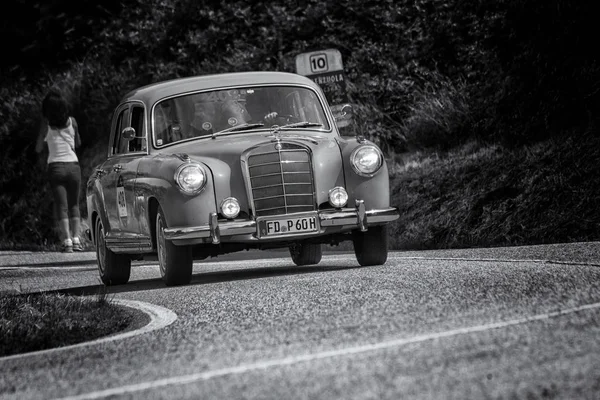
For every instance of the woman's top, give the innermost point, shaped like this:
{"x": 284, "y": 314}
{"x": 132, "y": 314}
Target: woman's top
{"x": 61, "y": 144}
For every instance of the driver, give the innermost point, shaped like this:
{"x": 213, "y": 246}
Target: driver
{"x": 213, "y": 117}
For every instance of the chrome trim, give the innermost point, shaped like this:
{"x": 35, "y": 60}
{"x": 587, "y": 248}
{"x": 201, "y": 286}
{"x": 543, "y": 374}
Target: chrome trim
{"x": 362, "y": 215}
{"x": 215, "y": 232}
{"x": 128, "y": 246}
{"x": 227, "y": 228}
{"x": 348, "y": 218}
{"x": 266, "y": 149}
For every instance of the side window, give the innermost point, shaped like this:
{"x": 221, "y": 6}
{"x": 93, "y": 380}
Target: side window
{"x": 137, "y": 123}
{"x": 120, "y": 145}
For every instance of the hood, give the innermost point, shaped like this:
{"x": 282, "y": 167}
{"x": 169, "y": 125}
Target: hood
{"x": 223, "y": 156}
{"x": 228, "y": 148}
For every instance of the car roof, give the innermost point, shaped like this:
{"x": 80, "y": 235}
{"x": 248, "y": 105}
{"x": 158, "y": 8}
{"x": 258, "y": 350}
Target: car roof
{"x": 149, "y": 94}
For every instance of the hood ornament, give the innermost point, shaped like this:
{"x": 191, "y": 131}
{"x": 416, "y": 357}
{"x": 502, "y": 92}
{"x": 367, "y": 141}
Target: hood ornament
{"x": 275, "y": 130}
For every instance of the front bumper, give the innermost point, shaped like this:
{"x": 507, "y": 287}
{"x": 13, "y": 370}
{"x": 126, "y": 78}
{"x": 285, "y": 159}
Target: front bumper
{"x": 346, "y": 218}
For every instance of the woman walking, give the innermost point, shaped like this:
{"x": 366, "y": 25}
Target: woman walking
{"x": 61, "y": 135}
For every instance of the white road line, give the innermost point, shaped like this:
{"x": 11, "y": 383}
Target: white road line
{"x": 159, "y": 318}
{"x": 48, "y": 268}
{"x": 506, "y": 260}
{"x": 241, "y": 369}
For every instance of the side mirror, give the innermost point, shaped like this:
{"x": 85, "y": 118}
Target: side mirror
{"x": 128, "y": 133}
{"x": 346, "y": 109}
{"x": 343, "y": 114}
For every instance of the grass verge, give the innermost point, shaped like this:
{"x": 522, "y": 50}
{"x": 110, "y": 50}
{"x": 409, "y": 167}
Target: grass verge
{"x": 48, "y": 320}
{"x": 493, "y": 195}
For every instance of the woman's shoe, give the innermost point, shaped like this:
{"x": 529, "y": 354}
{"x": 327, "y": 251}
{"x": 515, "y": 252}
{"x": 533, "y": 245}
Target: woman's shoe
{"x": 67, "y": 246}
{"x": 77, "y": 246}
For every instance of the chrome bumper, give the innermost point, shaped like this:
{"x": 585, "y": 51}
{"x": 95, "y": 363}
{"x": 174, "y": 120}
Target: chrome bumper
{"x": 357, "y": 217}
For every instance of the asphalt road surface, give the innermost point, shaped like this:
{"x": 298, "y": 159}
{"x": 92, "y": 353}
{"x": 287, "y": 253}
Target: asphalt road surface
{"x": 499, "y": 323}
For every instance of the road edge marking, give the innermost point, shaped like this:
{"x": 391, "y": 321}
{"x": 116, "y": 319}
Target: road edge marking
{"x": 244, "y": 368}
{"x": 506, "y": 260}
{"x": 160, "y": 317}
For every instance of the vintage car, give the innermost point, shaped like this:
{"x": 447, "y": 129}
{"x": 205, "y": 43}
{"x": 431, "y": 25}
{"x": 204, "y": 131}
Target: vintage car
{"x": 209, "y": 165}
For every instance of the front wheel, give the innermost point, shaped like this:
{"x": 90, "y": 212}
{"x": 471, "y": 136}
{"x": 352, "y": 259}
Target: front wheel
{"x": 306, "y": 253}
{"x": 176, "y": 262}
{"x": 114, "y": 268}
{"x": 371, "y": 247}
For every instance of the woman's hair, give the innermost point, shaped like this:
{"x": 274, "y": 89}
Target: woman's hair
{"x": 55, "y": 109}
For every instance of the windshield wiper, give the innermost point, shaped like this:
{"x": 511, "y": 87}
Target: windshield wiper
{"x": 236, "y": 128}
{"x": 301, "y": 124}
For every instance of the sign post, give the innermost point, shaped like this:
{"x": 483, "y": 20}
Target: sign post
{"x": 326, "y": 69}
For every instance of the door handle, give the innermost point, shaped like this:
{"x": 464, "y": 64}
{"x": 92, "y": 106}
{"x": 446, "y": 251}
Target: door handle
{"x": 117, "y": 168}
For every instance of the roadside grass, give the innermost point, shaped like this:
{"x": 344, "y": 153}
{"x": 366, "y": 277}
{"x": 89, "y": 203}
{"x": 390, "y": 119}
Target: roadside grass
{"x": 482, "y": 195}
{"x": 31, "y": 322}
{"x": 51, "y": 244}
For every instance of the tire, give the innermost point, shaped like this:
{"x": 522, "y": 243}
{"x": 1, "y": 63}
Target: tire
{"x": 371, "y": 247}
{"x": 306, "y": 253}
{"x": 176, "y": 262}
{"x": 114, "y": 268}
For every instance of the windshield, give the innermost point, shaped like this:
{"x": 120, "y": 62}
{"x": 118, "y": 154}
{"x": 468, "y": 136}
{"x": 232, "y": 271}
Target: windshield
{"x": 236, "y": 111}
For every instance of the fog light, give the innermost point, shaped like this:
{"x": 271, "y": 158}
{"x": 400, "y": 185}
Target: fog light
{"x": 338, "y": 197}
{"x": 230, "y": 207}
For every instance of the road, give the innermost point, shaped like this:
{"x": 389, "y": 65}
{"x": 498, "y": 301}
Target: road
{"x": 519, "y": 322}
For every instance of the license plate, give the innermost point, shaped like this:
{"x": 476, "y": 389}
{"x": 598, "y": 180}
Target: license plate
{"x": 287, "y": 226}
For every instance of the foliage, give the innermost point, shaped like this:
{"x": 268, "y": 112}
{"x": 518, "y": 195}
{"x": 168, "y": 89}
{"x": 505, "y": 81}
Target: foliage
{"x": 423, "y": 75}
{"x": 493, "y": 196}
{"x": 438, "y": 114}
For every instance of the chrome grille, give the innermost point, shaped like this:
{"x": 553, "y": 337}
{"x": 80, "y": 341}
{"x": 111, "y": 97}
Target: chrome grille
{"x": 281, "y": 180}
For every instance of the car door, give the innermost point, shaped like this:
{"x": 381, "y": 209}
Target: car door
{"x": 119, "y": 177}
{"x": 132, "y": 151}
{"x": 109, "y": 173}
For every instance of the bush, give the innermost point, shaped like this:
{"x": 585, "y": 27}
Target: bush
{"x": 439, "y": 114}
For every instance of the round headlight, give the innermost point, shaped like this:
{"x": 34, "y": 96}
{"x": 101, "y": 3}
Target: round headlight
{"x": 191, "y": 178}
{"x": 366, "y": 160}
{"x": 230, "y": 207}
{"x": 338, "y": 197}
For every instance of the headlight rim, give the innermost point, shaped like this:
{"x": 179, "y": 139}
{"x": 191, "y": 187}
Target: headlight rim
{"x": 354, "y": 164}
{"x": 188, "y": 165}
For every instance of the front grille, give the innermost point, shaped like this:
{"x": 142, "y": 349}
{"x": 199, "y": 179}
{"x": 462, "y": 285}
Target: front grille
{"x": 281, "y": 180}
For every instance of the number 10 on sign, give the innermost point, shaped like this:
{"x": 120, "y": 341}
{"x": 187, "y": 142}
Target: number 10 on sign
{"x": 318, "y": 63}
